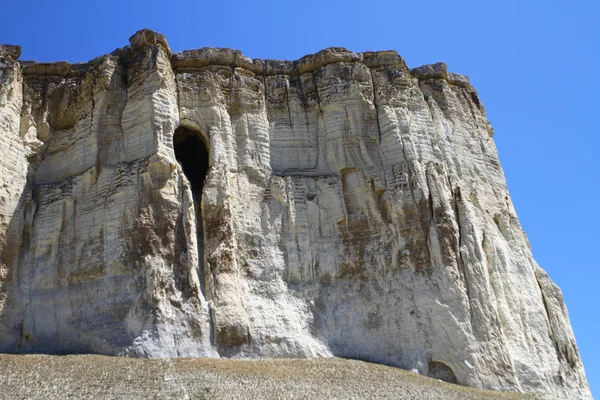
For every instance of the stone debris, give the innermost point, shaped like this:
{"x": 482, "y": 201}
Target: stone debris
{"x": 101, "y": 377}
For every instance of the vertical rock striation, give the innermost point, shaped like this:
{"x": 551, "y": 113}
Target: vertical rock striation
{"x": 352, "y": 207}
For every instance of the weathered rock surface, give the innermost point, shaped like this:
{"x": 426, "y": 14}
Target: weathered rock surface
{"x": 340, "y": 204}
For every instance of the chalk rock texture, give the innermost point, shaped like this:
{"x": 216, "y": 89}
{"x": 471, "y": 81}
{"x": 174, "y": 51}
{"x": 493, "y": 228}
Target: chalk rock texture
{"x": 208, "y": 204}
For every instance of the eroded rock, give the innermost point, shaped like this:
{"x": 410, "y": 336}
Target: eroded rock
{"x": 352, "y": 207}
{"x": 9, "y": 52}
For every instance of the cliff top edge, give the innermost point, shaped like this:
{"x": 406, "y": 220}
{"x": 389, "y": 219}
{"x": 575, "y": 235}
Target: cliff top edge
{"x": 189, "y": 60}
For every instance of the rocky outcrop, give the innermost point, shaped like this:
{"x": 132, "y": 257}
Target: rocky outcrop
{"x": 208, "y": 204}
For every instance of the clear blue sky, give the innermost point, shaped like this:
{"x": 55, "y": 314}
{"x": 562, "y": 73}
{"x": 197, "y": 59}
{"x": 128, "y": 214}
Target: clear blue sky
{"x": 536, "y": 65}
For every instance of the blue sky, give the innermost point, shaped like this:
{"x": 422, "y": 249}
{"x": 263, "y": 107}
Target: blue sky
{"x": 536, "y": 65}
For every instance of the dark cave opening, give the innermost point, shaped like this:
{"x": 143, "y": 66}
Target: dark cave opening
{"x": 192, "y": 155}
{"x": 441, "y": 371}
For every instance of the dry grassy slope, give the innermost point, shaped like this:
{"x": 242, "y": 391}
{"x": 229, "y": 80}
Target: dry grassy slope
{"x": 91, "y": 376}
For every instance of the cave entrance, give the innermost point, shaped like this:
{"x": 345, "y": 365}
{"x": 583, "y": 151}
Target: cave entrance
{"x": 192, "y": 155}
{"x": 441, "y": 371}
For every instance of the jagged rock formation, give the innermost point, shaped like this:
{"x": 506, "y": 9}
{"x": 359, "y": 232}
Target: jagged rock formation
{"x": 208, "y": 204}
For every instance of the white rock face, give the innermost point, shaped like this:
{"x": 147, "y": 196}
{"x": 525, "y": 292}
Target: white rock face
{"x": 351, "y": 207}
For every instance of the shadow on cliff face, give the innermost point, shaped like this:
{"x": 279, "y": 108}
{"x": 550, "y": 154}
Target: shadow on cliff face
{"x": 192, "y": 154}
{"x": 16, "y": 237}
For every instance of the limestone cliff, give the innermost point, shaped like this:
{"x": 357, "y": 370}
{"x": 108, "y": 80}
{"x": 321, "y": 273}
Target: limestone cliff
{"x": 209, "y": 204}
